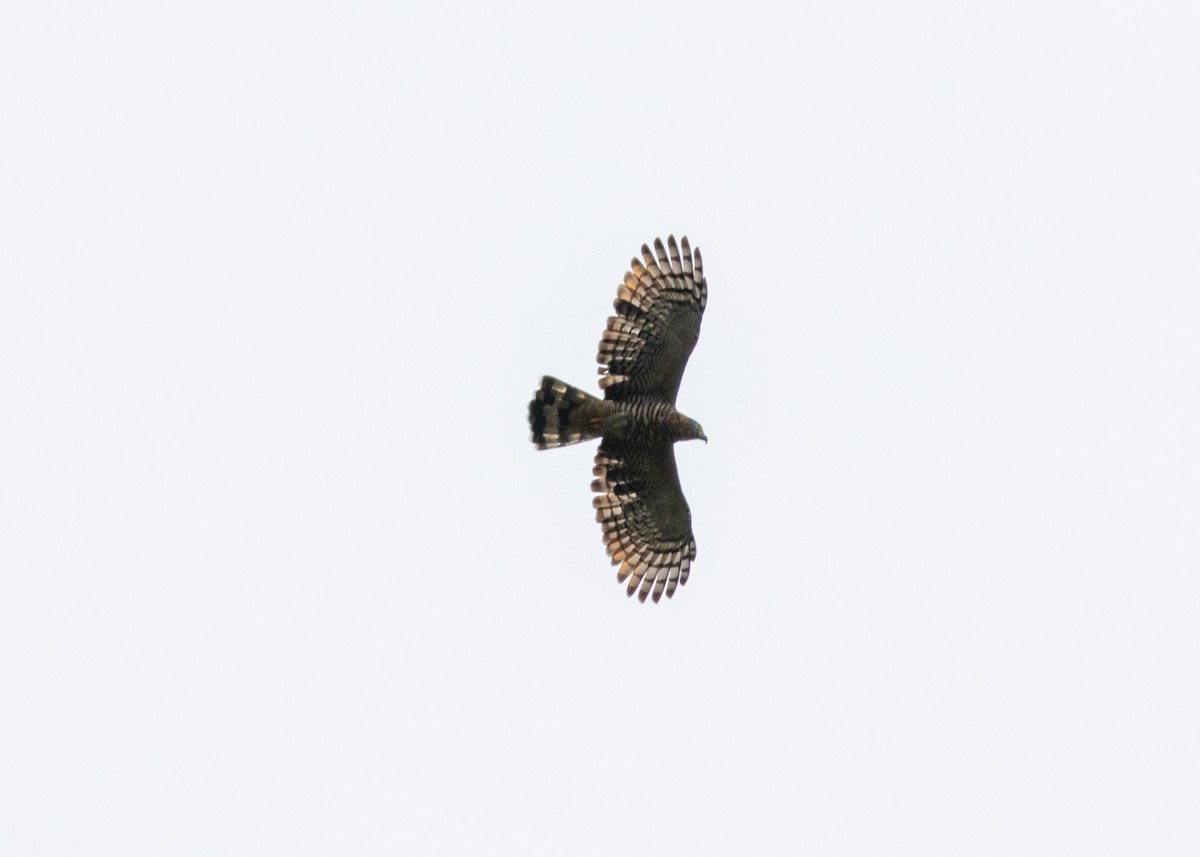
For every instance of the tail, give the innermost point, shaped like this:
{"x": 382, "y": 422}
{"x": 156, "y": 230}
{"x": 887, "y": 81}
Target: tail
{"x": 561, "y": 414}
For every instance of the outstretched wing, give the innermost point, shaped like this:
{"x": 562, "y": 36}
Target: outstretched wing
{"x": 646, "y": 345}
{"x": 646, "y": 521}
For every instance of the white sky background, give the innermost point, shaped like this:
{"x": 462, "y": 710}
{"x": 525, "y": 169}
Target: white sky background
{"x": 282, "y": 574}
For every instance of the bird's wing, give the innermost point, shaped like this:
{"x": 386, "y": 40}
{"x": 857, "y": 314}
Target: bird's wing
{"x": 646, "y": 345}
{"x": 646, "y": 521}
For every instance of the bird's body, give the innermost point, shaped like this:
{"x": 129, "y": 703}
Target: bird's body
{"x": 642, "y": 355}
{"x": 561, "y": 414}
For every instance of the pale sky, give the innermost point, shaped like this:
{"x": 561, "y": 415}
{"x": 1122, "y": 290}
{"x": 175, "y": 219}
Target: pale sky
{"x": 280, "y": 572}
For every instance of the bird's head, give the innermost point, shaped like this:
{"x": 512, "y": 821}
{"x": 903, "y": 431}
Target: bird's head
{"x": 692, "y": 429}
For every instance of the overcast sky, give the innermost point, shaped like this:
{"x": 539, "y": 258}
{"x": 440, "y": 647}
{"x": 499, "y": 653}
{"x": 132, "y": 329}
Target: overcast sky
{"x": 280, "y": 572}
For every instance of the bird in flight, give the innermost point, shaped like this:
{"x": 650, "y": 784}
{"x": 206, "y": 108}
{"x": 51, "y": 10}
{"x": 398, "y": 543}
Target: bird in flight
{"x": 643, "y": 352}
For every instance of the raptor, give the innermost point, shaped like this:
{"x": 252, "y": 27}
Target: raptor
{"x": 647, "y": 526}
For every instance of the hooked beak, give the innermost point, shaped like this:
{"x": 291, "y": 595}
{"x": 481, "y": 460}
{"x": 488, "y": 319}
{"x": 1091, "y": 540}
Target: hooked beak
{"x": 703, "y": 437}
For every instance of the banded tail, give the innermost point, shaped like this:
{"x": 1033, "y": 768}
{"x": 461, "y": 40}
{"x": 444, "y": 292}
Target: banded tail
{"x": 561, "y": 414}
